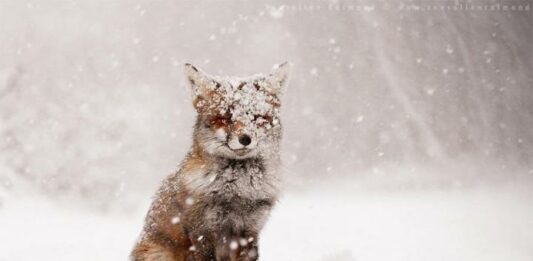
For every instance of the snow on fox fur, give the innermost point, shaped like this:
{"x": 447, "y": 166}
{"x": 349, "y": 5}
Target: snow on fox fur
{"x": 214, "y": 207}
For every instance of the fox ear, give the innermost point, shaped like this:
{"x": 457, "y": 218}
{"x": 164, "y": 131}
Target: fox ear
{"x": 279, "y": 77}
{"x": 198, "y": 81}
{"x": 196, "y": 77}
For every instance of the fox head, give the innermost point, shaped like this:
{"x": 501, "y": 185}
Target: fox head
{"x": 237, "y": 117}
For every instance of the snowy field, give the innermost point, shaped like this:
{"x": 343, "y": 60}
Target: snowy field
{"x": 487, "y": 223}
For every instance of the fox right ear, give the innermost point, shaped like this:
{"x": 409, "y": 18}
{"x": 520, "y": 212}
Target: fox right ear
{"x": 194, "y": 76}
{"x": 198, "y": 81}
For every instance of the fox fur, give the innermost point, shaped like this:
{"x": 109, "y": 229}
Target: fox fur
{"x": 215, "y": 205}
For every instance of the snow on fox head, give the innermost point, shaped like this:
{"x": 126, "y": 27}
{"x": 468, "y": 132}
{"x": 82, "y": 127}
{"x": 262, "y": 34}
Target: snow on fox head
{"x": 238, "y": 117}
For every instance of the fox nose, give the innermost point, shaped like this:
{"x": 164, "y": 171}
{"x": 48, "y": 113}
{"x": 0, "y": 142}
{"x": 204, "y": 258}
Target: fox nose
{"x": 245, "y": 140}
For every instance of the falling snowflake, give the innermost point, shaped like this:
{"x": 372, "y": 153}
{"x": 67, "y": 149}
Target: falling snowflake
{"x": 233, "y": 245}
{"x": 449, "y": 49}
{"x": 175, "y": 220}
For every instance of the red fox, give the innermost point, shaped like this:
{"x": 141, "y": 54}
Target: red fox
{"x": 214, "y": 207}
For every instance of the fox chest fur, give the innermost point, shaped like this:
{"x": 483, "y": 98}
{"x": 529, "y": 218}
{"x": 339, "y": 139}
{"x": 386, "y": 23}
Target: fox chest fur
{"x": 230, "y": 195}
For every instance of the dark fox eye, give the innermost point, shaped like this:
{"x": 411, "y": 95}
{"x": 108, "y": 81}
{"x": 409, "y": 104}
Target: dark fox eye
{"x": 219, "y": 121}
{"x": 261, "y": 120}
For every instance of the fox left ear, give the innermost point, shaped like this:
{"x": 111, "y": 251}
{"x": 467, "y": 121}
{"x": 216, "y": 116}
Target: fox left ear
{"x": 279, "y": 76}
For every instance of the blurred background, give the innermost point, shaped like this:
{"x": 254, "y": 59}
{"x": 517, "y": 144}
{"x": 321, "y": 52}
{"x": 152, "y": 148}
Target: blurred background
{"x": 393, "y": 95}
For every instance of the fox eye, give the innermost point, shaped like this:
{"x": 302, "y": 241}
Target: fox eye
{"x": 261, "y": 120}
{"x": 220, "y": 121}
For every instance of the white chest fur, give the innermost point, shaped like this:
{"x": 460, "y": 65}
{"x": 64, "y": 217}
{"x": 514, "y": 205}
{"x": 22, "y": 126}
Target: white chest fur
{"x": 238, "y": 193}
{"x": 250, "y": 179}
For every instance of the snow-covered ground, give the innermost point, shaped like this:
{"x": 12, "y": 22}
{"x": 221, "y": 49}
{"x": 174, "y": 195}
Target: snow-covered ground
{"x": 484, "y": 223}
